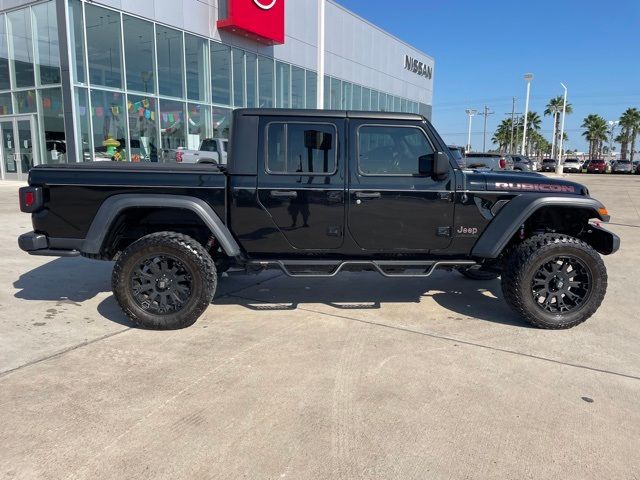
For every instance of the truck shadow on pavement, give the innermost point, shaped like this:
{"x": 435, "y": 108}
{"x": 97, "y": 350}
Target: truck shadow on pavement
{"x": 461, "y": 297}
{"x": 76, "y": 280}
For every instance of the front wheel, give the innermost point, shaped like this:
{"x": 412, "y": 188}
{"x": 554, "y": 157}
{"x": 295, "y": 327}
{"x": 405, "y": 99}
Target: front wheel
{"x": 164, "y": 281}
{"x": 554, "y": 281}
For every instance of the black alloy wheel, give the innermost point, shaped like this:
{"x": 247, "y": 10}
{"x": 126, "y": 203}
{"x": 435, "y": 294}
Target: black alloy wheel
{"x": 561, "y": 285}
{"x": 161, "y": 284}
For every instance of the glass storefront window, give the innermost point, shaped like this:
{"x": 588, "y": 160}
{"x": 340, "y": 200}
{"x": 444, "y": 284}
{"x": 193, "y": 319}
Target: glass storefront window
{"x": 327, "y": 93}
{"x": 26, "y": 101}
{"x": 346, "y": 95}
{"x": 143, "y": 136}
{"x": 196, "y": 60}
{"x": 312, "y": 89}
{"x": 20, "y": 27}
{"x": 109, "y": 126}
{"x": 375, "y": 99}
{"x": 48, "y": 49}
{"x": 5, "y": 79}
{"x": 170, "y": 58}
{"x": 252, "y": 79}
{"x": 266, "y": 82}
{"x": 382, "y": 102}
{"x": 5, "y": 104}
{"x": 55, "y": 150}
{"x": 238, "y": 77}
{"x": 199, "y": 120}
{"x": 366, "y": 98}
{"x": 82, "y": 118}
{"x": 221, "y": 121}
{"x": 103, "y": 45}
{"x": 356, "y": 104}
{"x": 77, "y": 39}
{"x": 397, "y": 104}
{"x": 336, "y": 94}
{"x": 221, "y": 73}
{"x": 298, "y": 94}
{"x": 171, "y": 128}
{"x": 283, "y": 85}
{"x": 139, "y": 54}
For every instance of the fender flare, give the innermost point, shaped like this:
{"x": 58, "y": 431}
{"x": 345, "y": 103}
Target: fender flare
{"x": 509, "y": 219}
{"x": 113, "y": 206}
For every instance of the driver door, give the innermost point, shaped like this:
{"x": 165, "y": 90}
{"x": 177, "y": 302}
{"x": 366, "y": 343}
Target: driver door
{"x": 392, "y": 207}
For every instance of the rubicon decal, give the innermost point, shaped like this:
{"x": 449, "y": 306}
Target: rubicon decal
{"x": 261, "y": 20}
{"x": 536, "y": 187}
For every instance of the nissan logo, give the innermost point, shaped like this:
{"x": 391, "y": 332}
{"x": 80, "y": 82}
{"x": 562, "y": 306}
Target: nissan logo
{"x": 264, "y": 4}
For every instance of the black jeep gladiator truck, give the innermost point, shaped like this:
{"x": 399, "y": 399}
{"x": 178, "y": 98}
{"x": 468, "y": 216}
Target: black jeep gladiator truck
{"x": 314, "y": 193}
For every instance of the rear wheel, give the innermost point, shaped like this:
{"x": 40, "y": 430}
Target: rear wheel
{"x": 554, "y": 281}
{"x": 164, "y": 281}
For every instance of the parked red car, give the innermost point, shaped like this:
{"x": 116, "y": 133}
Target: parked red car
{"x": 597, "y": 166}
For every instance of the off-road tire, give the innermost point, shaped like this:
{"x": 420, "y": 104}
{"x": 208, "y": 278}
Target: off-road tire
{"x": 184, "y": 249}
{"x": 479, "y": 274}
{"x": 524, "y": 262}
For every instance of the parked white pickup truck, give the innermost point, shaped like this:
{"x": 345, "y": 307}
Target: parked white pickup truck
{"x": 212, "y": 150}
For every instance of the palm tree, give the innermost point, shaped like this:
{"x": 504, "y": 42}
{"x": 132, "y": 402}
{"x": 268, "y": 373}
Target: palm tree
{"x": 533, "y": 125}
{"x": 502, "y": 135}
{"x": 596, "y": 133}
{"x": 554, "y": 107}
{"x": 630, "y": 122}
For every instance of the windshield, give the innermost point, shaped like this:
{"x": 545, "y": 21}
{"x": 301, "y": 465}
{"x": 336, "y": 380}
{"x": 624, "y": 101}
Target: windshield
{"x": 456, "y": 153}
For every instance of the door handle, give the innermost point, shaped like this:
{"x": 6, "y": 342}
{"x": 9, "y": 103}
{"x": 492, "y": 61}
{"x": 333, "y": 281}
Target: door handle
{"x": 367, "y": 194}
{"x": 281, "y": 194}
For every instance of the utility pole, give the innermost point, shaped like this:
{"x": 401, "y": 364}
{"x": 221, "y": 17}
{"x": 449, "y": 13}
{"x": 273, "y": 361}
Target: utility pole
{"x": 560, "y": 161}
{"x": 321, "y": 54}
{"x": 485, "y": 114}
{"x": 471, "y": 112}
{"x": 513, "y": 120}
{"x": 612, "y": 124}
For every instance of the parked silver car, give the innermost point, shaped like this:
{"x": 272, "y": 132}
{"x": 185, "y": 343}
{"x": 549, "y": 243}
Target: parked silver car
{"x": 622, "y": 166}
{"x": 523, "y": 163}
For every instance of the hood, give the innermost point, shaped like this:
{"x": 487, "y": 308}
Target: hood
{"x": 522, "y": 182}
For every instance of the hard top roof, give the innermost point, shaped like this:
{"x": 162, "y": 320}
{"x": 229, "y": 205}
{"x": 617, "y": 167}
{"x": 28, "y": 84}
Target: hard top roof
{"x": 288, "y": 112}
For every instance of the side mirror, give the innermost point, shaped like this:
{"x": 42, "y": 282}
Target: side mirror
{"x": 435, "y": 164}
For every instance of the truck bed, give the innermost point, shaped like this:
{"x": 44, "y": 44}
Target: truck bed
{"x": 73, "y": 193}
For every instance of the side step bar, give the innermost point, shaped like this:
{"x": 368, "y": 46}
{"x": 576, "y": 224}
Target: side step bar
{"x": 381, "y": 266}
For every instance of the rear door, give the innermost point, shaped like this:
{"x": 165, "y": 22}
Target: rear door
{"x": 392, "y": 207}
{"x": 301, "y": 180}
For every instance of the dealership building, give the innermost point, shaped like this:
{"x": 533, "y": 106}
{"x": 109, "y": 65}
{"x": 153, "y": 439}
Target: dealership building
{"x": 135, "y": 80}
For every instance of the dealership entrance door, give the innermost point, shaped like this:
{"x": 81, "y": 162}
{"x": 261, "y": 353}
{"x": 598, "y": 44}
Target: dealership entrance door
{"x": 18, "y": 148}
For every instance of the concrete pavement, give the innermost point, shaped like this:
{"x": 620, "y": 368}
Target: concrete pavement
{"x": 355, "y": 377}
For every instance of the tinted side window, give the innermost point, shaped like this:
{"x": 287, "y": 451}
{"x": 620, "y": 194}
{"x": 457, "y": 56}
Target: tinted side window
{"x": 386, "y": 150}
{"x": 209, "y": 146}
{"x": 297, "y": 148}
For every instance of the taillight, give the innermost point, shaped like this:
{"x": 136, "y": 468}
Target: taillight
{"x": 503, "y": 163}
{"x": 30, "y": 199}
{"x": 179, "y": 156}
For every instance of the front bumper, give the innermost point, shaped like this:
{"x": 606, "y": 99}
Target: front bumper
{"x": 38, "y": 244}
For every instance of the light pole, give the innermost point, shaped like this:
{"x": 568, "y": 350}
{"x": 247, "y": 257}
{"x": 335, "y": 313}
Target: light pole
{"x": 528, "y": 77}
{"x": 564, "y": 112}
{"x": 471, "y": 113}
{"x": 612, "y": 127}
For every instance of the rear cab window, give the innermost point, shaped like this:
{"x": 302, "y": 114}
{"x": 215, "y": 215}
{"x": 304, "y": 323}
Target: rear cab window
{"x": 301, "y": 148}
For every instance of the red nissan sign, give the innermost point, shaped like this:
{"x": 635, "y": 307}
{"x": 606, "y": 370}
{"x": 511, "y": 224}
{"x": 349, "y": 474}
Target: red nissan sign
{"x": 262, "y": 20}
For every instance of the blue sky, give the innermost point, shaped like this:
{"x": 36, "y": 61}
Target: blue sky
{"x": 482, "y": 49}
